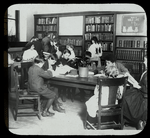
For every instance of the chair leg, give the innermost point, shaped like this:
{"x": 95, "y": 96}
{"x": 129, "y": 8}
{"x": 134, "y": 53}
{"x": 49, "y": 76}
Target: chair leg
{"x": 16, "y": 110}
{"x": 39, "y": 108}
{"x": 122, "y": 122}
{"x": 85, "y": 120}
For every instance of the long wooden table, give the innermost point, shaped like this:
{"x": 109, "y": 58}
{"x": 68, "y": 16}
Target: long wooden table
{"x": 74, "y": 82}
{"x": 77, "y": 82}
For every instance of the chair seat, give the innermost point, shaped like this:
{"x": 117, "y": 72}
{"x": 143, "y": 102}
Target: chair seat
{"x": 110, "y": 111}
{"x": 24, "y": 93}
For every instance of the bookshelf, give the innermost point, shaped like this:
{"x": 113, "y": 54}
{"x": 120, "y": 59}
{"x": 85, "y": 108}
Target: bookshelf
{"x": 75, "y": 40}
{"x": 101, "y": 26}
{"x": 131, "y": 50}
{"x": 45, "y": 24}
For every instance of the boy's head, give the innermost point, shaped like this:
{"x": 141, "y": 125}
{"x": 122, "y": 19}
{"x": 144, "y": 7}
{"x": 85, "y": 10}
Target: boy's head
{"x": 52, "y": 59}
{"x": 66, "y": 54}
{"x": 39, "y": 61}
{"x": 110, "y": 60}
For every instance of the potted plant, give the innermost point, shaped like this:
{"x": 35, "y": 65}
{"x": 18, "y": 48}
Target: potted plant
{"x": 83, "y": 65}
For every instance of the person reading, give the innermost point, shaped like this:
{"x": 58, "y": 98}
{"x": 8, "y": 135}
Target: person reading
{"x": 37, "y": 85}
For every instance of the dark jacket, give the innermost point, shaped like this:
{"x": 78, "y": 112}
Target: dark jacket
{"x": 135, "y": 102}
{"x": 36, "y": 77}
{"x": 38, "y": 47}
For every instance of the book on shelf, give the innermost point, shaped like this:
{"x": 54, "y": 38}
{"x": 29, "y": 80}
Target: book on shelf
{"x": 99, "y": 19}
{"x": 47, "y": 20}
{"x": 70, "y": 41}
{"x": 131, "y": 44}
{"x": 99, "y": 28}
{"x": 129, "y": 54}
{"x": 46, "y": 28}
{"x": 100, "y": 36}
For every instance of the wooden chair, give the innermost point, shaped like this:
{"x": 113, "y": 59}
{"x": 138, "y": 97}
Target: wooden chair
{"x": 20, "y": 95}
{"x": 24, "y": 73}
{"x": 114, "y": 109}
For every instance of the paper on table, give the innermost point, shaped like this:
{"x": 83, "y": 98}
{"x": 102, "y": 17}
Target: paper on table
{"x": 63, "y": 69}
{"x": 99, "y": 75}
{"x": 70, "y": 75}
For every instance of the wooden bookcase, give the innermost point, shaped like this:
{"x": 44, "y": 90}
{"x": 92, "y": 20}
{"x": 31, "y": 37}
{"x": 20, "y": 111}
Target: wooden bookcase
{"x": 101, "y": 26}
{"x": 131, "y": 50}
{"x": 45, "y": 24}
{"x": 76, "y": 41}
{"x": 97, "y": 24}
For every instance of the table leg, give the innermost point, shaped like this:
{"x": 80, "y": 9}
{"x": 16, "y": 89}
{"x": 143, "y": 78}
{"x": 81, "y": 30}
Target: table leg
{"x": 82, "y": 95}
{"x": 73, "y": 94}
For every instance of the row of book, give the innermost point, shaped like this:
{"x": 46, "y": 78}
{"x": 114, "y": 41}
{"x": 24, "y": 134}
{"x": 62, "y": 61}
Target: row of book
{"x": 108, "y": 46}
{"x": 78, "y": 52}
{"x": 46, "y": 28}
{"x": 129, "y": 54}
{"x": 51, "y": 20}
{"x": 99, "y": 19}
{"x": 100, "y": 36}
{"x": 98, "y": 27}
{"x": 69, "y": 41}
{"x": 132, "y": 44}
{"x": 40, "y": 35}
{"x": 137, "y": 67}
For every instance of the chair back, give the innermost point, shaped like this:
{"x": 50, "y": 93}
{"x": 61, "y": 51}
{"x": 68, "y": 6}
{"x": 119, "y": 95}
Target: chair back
{"x": 16, "y": 83}
{"x": 113, "y": 85}
{"x": 24, "y": 73}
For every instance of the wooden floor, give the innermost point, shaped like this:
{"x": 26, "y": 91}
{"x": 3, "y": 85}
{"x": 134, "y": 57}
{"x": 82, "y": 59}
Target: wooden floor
{"x": 69, "y": 123}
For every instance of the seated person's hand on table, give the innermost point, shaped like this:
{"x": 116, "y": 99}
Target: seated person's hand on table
{"x": 54, "y": 73}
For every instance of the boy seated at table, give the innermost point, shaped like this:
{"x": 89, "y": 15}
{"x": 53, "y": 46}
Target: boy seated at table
{"x": 37, "y": 85}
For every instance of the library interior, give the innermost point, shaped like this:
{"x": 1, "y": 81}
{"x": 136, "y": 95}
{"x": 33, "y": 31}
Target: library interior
{"x": 75, "y": 68}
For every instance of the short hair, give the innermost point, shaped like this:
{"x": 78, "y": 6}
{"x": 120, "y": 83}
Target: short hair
{"x": 88, "y": 54}
{"x": 38, "y": 60}
{"x": 53, "y": 56}
{"x": 27, "y": 46}
{"x": 66, "y": 51}
{"x": 69, "y": 45}
{"x": 33, "y": 37}
{"x": 110, "y": 57}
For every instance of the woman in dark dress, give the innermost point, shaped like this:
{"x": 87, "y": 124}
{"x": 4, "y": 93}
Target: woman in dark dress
{"x": 135, "y": 102}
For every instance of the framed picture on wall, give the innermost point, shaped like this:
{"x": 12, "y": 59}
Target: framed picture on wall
{"x": 132, "y": 24}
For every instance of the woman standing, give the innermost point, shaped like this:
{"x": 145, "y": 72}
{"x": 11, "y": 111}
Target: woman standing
{"x": 96, "y": 51}
{"x": 135, "y": 102}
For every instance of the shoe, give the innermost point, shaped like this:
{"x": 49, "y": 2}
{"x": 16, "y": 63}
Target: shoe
{"x": 140, "y": 125}
{"x": 60, "y": 104}
{"x": 47, "y": 113}
{"x": 59, "y": 109}
{"x": 50, "y": 113}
